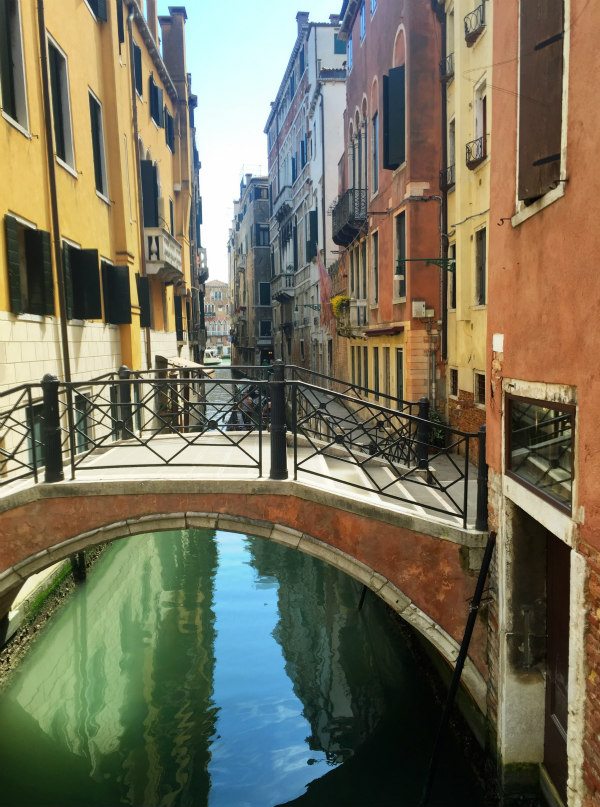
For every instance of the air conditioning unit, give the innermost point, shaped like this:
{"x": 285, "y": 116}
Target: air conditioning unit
{"x": 419, "y": 308}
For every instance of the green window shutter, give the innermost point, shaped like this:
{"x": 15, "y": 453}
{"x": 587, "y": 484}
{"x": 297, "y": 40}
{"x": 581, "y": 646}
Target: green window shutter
{"x": 160, "y": 107}
{"x": 40, "y": 287}
{"x": 7, "y": 79}
{"x": 394, "y": 118}
{"x": 313, "y": 235}
{"x": 116, "y": 294}
{"x": 143, "y": 290}
{"x": 152, "y": 96}
{"x": 11, "y": 232}
{"x": 149, "y": 193}
{"x": 68, "y": 280}
{"x": 120, "y": 22}
{"x": 48, "y": 279}
{"x": 101, "y": 10}
{"x": 178, "y": 319}
{"x": 137, "y": 66}
{"x": 86, "y": 284}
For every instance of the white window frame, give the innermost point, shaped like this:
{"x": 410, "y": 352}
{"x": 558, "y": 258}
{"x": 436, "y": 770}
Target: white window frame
{"x": 20, "y": 83}
{"x": 67, "y": 113}
{"x": 476, "y": 374}
{"x": 103, "y": 194}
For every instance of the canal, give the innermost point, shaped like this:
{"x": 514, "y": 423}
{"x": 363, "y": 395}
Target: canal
{"x": 203, "y": 669}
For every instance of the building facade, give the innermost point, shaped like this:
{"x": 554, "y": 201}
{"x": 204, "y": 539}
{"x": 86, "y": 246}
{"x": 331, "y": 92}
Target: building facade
{"x": 542, "y": 399}
{"x": 305, "y": 139}
{"x": 250, "y": 275}
{"x": 217, "y": 313}
{"x": 387, "y": 218}
{"x": 95, "y": 248}
{"x": 466, "y": 76}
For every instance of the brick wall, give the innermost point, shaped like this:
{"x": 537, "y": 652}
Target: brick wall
{"x": 591, "y": 740}
{"x": 466, "y": 415}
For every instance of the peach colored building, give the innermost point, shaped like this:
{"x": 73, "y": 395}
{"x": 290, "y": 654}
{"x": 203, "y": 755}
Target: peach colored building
{"x": 542, "y": 397}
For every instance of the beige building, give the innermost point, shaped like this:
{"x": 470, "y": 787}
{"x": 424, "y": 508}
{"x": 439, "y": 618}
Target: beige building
{"x": 217, "y": 315}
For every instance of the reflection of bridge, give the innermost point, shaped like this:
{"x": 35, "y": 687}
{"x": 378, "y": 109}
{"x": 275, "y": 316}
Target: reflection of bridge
{"x": 367, "y": 483}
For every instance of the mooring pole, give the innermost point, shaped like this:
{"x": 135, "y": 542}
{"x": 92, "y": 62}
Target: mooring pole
{"x": 460, "y": 663}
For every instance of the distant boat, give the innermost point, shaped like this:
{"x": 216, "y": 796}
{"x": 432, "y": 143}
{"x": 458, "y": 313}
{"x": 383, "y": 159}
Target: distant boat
{"x": 211, "y": 357}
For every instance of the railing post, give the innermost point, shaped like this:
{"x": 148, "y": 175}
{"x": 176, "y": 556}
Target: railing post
{"x": 125, "y": 402}
{"x": 278, "y": 446}
{"x": 481, "y": 520}
{"x": 52, "y": 442}
{"x": 423, "y": 435}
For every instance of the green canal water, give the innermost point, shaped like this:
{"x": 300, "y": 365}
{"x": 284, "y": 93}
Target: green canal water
{"x": 196, "y": 669}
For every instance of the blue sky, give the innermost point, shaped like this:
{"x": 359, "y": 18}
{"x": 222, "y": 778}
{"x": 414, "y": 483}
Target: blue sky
{"x": 237, "y": 51}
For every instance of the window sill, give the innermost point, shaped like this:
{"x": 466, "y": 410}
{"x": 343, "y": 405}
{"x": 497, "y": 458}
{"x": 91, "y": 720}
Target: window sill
{"x": 525, "y": 212}
{"x": 104, "y": 198}
{"x": 41, "y": 318}
{"x": 398, "y": 300}
{"x": 452, "y": 310}
{"x": 68, "y": 168}
{"x": 478, "y": 307}
{"x": 16, "y": 125}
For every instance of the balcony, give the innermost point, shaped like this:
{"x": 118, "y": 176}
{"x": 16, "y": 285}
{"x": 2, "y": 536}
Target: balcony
{"x": 447, "y": 68}
{"x": 282, "y": 206}
{"x": 282, "y": 287}
{"x": 448, "y": 178}
{"x": 163, "y": 255}
{"x": 476, "y": 152}
{"x": 475, "y": 24}
{"x": 349, "y": 215}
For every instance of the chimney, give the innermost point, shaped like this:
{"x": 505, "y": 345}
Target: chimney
{"x": 172, "y": 28}
{"x": 248, "y": 178}
{"x": 302, "y": 20}
{"x": 152, "y": 19}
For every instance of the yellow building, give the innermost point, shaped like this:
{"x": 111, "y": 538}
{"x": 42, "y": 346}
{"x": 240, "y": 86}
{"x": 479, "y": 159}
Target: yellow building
{"x": 467, "y": 72}
{"x": 97, "y": 190}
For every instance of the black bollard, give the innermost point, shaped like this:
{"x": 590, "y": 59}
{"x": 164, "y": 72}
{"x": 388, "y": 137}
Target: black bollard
{"x": 52, "y": 437}
{"x": 278, "y": 429}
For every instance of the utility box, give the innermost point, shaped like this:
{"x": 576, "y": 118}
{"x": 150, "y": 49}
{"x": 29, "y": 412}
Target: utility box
{"x": 419, "y": 308}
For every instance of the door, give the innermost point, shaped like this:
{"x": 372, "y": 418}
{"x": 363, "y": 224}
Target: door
{"x": 399, "y": 375}
{"x": 558, "y": 567}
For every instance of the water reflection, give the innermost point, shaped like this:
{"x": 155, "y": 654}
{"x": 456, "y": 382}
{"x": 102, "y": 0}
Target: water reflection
{"x": 194, "y": 671}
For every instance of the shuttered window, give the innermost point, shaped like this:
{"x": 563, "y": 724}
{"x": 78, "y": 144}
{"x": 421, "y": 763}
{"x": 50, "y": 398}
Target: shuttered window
{"x": 61, "y": 114}
{"x": 156, "y": 103}
{"x": 99, "y": 9}
{"x": 116, "y": 294}
{"x": 264, "y": 294}
{"x": 178, "y": 319}
{"x": 400, "y": 280}
{"x": 98, "y": 151}
{"x": 120, "y": 23}
{"x": 137, "y": 68}
{"x": 169, "y": 130}
{"x": 29, "y": 261}
{"x": 82, "y": 283}
{"x": 261, "y": 235}
{"x": 12, "y": 68}
{"x": 312, "y": 241}
{"x": 143, "y": 290}
{"x": 394, "y": 118}
{"x": 150, "y": 193}
{"x": 480, "y": 266}
{"x": 540, "y": 96}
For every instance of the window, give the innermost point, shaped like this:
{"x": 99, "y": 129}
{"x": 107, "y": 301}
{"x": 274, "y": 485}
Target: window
{"x": 61, "y": 112}
{"x": 400, "y": 278}
{"x": 150, "y": 193}
{"x": 394, "y": 118}
{"x": 480, "y": 266}
{"x": 363, "y": 269}
{"x": 399, "y": 374}
{"x": 479, "y": 388}
{"x": 452, "y": 277}
{"x": 98, "y": 146}
{"x": 29, "y": 263}
{"x": 99, "y": 9}
{"x": 116, "y": 294}
{"x": 541, "y": 67}
{"x": 387, "y": 373}
{"x": 373, "y": 7}
{"x": 137, "y": 69}
{"x": 264, "y": 294}
{"x": 169, "y": 130}
{"x": 454, "y": 382}
{"x": 375, "y": 266}
{"x": 481, "y": 117}
{"x": 157, "y": 112}
{"x": 540, "y": 447}
{"x": 265, "y": 327}
{"x": 261, "y": 235}
{"x": 339, "y": 46}
{"x": 12, "y": 67}
{"x": 363, "y": 21}
{"x": 312, "y": 240}
{"x": 172, "y": 217}
{"x": 375, "y": 153}
{"x": 301, "y": 62}
{"x": 376, "y": 372}
{"x": 82, "y": 283}
{"x": 349, "y": 52}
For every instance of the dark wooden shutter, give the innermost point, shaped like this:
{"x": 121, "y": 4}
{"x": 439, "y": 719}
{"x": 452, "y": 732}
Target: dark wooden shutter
{"x": 143, "y": 290}
{"x": 116, "y": 294}
{"x": 101, "y": 10}
{"x": 150, "y": 193}
{"x": 96, "y": 142}
{"x": 11, "y": 232}
{"x": 85, "y": 279}
{"x": 68, "y": 280}
{"x": 120, "y": 22}
{"x": 178, "y": 319}
{"x": 160, "y": 107}
{"x": 394, "y": 118}
{"x": 540, "y": 97}
{"x": 313, "y": 235}
{"x": 137, "y": 65}
{"x": 40, "y": 288}
{"x": 152, "y": 96}
{"x": 7, "y": 81}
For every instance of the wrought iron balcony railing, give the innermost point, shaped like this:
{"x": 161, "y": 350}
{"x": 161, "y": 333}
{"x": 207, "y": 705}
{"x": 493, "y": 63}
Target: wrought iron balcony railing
{"x": 475, "y": 24}
{"x": 349, "y": 215}
{"x": 448, "y": 178}
{"x": 447, "y": 68}
{"x": 476, "y": 152}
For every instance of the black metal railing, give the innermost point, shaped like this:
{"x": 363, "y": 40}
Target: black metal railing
{"x": 448, "y": 178}
{"x": 447, "y": 68}
{"x": 159, "y": 419}
{"x": 475, "y": 24}
{"x": 349, "y": 215}
{"x": 476, "y": 152}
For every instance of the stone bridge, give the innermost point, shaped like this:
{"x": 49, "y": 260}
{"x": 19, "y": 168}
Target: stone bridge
{"x": 423, "y": 568}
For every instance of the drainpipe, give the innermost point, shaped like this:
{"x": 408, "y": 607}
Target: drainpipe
{"x": 62, "y": 300}
{"x": 138, "y": 167}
